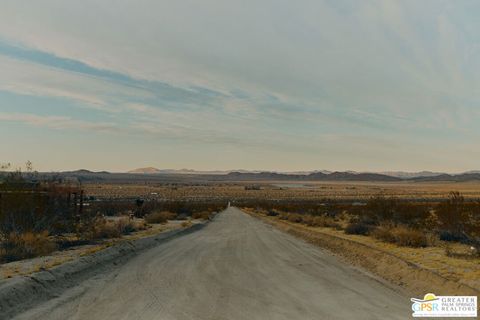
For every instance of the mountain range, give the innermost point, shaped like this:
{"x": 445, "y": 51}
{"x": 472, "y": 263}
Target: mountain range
{"x": 396, "y": 174}
{"x": 317, "y": 175}
{"x": 155, "y": 175}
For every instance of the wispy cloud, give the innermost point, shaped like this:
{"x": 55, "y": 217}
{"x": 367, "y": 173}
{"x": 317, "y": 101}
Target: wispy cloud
{"x": 58, "y": 122}
{"x": 328, "y": 81}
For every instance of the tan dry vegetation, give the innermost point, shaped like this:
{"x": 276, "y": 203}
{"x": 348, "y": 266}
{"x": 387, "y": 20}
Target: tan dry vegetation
{"x": 104, "y": 228}
{"x": 52, "y": 259}
{"x": 27, "y": 245}
{"x": 159, "y": 217}
{"x": 295, "y": 190}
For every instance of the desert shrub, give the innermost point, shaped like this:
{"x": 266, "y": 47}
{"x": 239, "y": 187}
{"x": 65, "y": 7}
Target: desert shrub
{"x": 358, "y": 228}
{"x": 140, "y": 225}
{"x": 446, "y": 235}
{"x": 326, "y": 222}
{"x": 402, "y": 236}
{"x": 205, "y": 215}
{"x": 294, "y": 217}
{"x": 283, "y": 216}
{"x": 453, "y": 214}
{"x": 336, "y": 226}
{"x": 126, "y": 225}
{"x": 30, "y": 206}
{"x": 26, "y": 245}
{"x": 113, "y": 207}
{"x": 159, "y": 217}
{"x": 411, "y": 214}
{"x": 308, "y": 220}
{"x": 381, "y": 208}
{"x": 318, "y": 222}
{"x": 102, "y": 229}
{"x": 384, "y": 233}
{"x": 459, "y": 219}
{"x": 186, "y": 224}
{"x": 409, "y": 237}
{"x": 272, "y": 213}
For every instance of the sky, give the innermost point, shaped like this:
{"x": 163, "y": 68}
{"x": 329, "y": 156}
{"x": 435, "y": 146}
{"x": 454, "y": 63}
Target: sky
{"x": 240, "y": 84}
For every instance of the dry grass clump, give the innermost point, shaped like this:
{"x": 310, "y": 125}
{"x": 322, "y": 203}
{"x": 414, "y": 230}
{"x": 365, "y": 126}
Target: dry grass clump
{"x": 205, "y": 215}
{"x": 384, "y": 233}
{"x": 26, "y": 245}
{"x": 125, "y": 225}
{"x": 308, "y": 220}
{"x": 186, "y": 224}
{"x": 103, "y": 229}
{"x": 410, "y": 238}
{"x": 470, "y": 253}
{"x": 160, "y": 217}
{"x": 326, "y": 222}
{"x": 107, "y": 229}
{"x": 296, "y": 218}
{"x": 283, "y": 216}
{"x": 272, "y": 213}
{"x": 358, "y": 228}
{"x": 401, "y": 236}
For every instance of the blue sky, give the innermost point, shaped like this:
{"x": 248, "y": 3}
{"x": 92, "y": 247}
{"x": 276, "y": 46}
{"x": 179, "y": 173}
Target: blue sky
{"x": 274, "y": 85}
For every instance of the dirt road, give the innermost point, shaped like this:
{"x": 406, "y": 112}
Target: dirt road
{"x": 235, "y": 268}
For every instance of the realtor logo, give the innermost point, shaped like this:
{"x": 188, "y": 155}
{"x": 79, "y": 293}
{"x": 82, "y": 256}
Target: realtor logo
{"x": 444, "y": 306}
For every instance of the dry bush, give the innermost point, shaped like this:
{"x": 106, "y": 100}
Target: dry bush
{"x": 32, "y": 206}
{"x": 140, "y": 225}
{"x": 283, "y": 216}
{"x": 126, "y": 225}
{"x": 358, "y": 228}
{"x": 272, "y": 213}
{"x": 410, "y": 237}
{"x": 459, "y": 220}
{"x": 308, "y": 220}
{"x": 159, "y": 217}
{"x": 294, "y": 217}
{"x": 402, "y": 236}
{"x": 186, "y": 224}
{"x": 204, "y": 215}
{"x": 326, "y": 222}
{"x": 384, "y": 233}
{"x": 450, "y": 236}
{"x": 103, "y": 229}
{"x": 26, "y": 245}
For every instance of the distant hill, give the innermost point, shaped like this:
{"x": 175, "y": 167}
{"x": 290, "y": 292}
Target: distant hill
{"x": 147, "y": 170}
{"x": 406, "y": 175}
{"x": 334, "y": 176}
{"x": 464, "y": 177}
{"x": 152, "y": 170}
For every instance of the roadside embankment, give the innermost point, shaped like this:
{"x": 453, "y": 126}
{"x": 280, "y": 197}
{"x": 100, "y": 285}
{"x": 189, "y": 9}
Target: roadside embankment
{"x": 399, "y": 270}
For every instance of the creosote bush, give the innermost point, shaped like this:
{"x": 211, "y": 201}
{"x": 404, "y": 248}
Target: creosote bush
{"x": 293, "y": 217}
{"x": 159, "y": 217}
{"x": 204, "y": 215}
{"x": 26, "y": 245}
{"x": 358, "y": 228}
{"x": 402, "y": 236}
{"x": 102, "y": 228}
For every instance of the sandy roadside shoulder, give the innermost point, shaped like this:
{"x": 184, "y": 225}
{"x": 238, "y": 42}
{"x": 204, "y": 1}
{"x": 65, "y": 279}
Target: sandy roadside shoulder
{"x": 418, "y": 270}
{"x": 29, "y": 266}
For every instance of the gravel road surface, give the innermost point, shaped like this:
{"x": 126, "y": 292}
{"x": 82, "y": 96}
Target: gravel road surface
{"x": 235, "y": 268}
